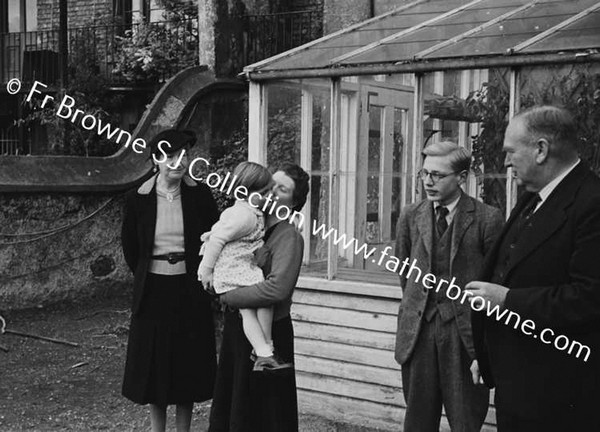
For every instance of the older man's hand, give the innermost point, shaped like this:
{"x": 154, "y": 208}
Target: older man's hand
{"x": 475, "y": 373}
{"x": 492, "y": 293}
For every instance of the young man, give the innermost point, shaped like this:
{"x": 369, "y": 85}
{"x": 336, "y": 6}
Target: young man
{"x": 545, "y": 269}
{"x": 448, "y": 234}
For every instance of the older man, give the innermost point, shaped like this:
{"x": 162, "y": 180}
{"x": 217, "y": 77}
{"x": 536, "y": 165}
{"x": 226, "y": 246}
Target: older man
{"x": 545, "y": 268}
{"x": 448, "y": 234}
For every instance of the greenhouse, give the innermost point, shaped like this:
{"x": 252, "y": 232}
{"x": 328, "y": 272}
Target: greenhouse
{"x": 355, "y": 109}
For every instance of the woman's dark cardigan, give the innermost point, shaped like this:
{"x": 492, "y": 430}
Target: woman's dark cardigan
{"x": 199, "y": 214}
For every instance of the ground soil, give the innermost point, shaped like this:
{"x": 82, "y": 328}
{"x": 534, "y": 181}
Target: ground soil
{"x": 46, "y": 386}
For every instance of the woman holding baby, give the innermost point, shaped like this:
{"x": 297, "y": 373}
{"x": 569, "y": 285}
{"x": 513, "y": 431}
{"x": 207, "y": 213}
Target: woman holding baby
{"x": 255, "y": 388}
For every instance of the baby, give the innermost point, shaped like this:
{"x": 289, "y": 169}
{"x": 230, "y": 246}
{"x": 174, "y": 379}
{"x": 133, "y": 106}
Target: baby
{"x": 228, "y": 259}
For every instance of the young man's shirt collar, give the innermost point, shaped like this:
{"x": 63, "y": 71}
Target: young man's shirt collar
{"x": 451, "y": 208}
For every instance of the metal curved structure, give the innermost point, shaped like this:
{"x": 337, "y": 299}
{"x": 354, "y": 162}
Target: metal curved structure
{"x": 125, "y": 168}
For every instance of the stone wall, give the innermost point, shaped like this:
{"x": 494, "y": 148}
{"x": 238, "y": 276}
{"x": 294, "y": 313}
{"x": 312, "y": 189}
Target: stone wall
{"x": 383, "y": 6}
{"x": 56, "y": 247}
{"x": 339, "y": 14}
{"x": 302, "y": 5}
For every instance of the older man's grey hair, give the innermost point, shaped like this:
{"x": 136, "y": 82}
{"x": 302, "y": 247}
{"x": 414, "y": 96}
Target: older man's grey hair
{"x": 554, "y": 124}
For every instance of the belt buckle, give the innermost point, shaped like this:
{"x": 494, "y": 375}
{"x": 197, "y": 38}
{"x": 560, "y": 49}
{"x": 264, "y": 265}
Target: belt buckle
{"x": 172, "y": 258}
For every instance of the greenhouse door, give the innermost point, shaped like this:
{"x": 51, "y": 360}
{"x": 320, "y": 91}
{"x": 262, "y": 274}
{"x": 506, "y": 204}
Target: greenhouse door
{"x": 376, "y": 174}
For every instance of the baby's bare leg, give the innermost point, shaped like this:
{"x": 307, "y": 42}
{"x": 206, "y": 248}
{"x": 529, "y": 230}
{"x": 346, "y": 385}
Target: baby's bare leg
{"x": 254, "y": 333}
{"x": 265, "y": 319}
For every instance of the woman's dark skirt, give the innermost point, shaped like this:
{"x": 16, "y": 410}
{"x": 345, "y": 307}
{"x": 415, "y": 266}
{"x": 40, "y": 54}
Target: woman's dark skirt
{"x": 171, "y": 355}
{"x": 247, "y": 401}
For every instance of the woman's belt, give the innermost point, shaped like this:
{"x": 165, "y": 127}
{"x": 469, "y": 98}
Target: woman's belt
{"x": 171, "y": 257}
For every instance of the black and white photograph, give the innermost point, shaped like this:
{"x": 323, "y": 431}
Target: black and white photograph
{"x": 300, "y": 215}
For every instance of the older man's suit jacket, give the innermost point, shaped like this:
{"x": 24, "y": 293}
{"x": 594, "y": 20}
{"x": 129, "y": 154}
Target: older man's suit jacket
{"x": 475, "y": 228}
{"x": 554, "y": 280}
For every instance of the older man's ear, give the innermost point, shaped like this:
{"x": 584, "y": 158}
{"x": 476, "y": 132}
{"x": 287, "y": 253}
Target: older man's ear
{"x": 542, "y": 150}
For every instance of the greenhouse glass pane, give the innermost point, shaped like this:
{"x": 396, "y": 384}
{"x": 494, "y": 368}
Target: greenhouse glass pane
{"x": 491, "y": 105}
{"x": 407, "y": 46}
{"x": 584, "y": 33}
{"x": 470, "y": 108}
{"x": 518, "y": 28}
{"x": 284, "y": 123}
{"x": 373, "y": 170}
{"x": 319, "y": 173}
{"x": 575, "y": 88}
{"x": 294, "y": 108}
{"x": 323, "y": 52}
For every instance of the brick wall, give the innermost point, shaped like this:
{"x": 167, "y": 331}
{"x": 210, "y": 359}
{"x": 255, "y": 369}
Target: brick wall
{"x": 81, "y": 13}
{"x": 83, "y": 17}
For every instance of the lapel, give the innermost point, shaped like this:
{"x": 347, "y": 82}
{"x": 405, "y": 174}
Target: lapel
{"x": 148, "y": 215}
{"x": 187, "y": 209}
{"x": 425, "y": 226}
{"x": 463, "y": 218}
{"x": 550, "y": 216}
{"x": 490, "y": 259}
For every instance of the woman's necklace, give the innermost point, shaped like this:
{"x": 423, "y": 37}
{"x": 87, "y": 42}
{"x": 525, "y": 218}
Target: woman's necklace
{"x": 170, "y": 193}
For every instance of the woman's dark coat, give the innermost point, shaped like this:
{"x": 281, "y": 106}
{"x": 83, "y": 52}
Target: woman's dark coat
{"x": 199, "y": 214}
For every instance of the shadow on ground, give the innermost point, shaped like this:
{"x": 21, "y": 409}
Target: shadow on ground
{"x": 46, "y": 386}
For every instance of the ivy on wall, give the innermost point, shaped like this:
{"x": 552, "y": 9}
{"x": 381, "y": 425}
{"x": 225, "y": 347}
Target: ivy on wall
{"x": 153, "y": 51}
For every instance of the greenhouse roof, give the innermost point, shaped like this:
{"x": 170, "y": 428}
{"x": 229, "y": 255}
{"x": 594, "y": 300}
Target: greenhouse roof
{"x": 427, "y": 35}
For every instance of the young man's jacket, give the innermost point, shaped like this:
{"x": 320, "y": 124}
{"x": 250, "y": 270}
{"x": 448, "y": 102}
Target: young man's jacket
{"x": 475, "y": 227}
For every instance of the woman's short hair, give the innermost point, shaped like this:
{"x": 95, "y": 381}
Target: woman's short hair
{"x": 301, "y": 183}
{"x": 460, "y": 157}
{"x": 254, "y": 177}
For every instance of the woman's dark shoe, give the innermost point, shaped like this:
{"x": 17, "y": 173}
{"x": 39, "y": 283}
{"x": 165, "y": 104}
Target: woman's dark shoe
{"x": 270, "y": 363}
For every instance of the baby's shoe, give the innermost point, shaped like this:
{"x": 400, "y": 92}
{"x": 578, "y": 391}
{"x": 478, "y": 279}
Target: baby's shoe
{"x": 270, "y": 363}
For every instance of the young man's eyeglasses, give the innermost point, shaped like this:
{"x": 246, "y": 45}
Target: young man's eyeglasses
{"x": 435, "y": 176}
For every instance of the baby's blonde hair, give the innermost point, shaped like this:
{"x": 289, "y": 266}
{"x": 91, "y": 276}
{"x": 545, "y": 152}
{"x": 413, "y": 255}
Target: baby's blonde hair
{"x": 254, "y": 177}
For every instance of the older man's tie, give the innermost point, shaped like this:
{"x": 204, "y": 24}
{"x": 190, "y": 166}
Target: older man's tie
{"x": 527, "y": 211}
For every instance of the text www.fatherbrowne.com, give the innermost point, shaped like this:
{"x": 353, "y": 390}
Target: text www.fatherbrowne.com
{"x": 454, "y": 292}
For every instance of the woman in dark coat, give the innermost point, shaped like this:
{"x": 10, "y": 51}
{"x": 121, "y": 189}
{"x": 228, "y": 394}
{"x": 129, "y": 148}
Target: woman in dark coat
{"x": 246, "y": 401}
{"x": 171, "y": 355}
